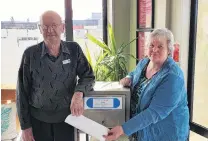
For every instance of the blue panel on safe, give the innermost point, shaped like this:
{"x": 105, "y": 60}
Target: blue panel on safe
{"x": 104, "y": 103}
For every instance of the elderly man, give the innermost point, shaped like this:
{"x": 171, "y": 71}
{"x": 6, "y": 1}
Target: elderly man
{"x": 47, "y": 88}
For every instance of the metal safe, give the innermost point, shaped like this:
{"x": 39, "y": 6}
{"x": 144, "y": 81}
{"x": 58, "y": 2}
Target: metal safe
{"x": 108, "y": 104}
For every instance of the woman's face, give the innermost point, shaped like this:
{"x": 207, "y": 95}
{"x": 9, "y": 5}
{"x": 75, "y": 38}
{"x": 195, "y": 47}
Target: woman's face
{"x": 158, "y": 50}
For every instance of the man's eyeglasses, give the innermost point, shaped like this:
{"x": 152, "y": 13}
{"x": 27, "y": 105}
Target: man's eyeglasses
{"x": 45, "y": 27}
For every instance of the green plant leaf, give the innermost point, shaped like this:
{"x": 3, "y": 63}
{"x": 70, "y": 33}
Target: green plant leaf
{"x": 107, "y": 76}
{"x": 97, "y": 42}
{"x": 122, "y": 47}
{"x": 100, "y": 59}
{"x": 88, "y": 56}
{"x": 123, "y": 66}
{"x": 112, "y": 39}
{"x": 132, "y": 56}
{"x": 119, "y": 50}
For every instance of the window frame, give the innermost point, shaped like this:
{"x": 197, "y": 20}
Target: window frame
{"x": 195, "y": 127}
{"x": 146, "y": 29}
{"x": 69, "y": 20}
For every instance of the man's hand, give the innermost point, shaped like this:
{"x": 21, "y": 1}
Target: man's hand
{"x": 27, "y": 135}
{"x": 77, "y": 104}
{"x": 114, "y": 133}
{"x": 125, "y": 81}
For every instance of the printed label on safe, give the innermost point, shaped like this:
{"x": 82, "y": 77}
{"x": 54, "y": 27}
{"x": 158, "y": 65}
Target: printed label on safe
{"x": 103, "y": 102}
{"x": 97, "y": 103}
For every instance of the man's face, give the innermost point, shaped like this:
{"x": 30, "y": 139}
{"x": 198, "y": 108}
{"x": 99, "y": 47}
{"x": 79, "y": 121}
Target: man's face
{"x": 51, "y": 28}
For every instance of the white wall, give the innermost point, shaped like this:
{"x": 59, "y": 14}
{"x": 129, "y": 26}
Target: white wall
{"x": 132, "y": 32}
{"x": 175, "y": 15}
{"x": 160, "y": 13}
{"x": 180, "y": 23}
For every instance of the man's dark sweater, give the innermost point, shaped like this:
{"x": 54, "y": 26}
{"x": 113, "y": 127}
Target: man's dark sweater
{"x": 45, "y": 87}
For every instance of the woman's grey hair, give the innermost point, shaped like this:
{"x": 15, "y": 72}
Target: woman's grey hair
{"x": 164, "y": 32}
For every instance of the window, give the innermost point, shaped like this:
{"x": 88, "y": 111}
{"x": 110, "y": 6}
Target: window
{"x": 19, "y": 29}
{"x": 196, "y": 137}
{"x": 198, "y": 66}
{"x": 145, "y": 24}
{"x": 201, "y": 67}
{"x": 88, "y": 19}
{"x": 145, "y": 13}
{"x": 142, "y": 43}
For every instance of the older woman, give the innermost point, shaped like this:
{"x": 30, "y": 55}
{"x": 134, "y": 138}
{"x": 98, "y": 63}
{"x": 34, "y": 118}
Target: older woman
{"x": 159, "y": 110}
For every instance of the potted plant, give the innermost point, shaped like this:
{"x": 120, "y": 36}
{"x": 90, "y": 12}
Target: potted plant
{"x": 111, "y": 63}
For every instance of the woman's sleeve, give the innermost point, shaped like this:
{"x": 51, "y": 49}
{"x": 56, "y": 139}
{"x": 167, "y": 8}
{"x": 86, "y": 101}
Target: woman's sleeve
{"x": 166, "y": 98}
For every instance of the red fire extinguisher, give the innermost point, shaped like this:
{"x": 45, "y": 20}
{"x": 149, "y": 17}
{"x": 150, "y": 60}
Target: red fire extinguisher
{"x": 176, "y": 52}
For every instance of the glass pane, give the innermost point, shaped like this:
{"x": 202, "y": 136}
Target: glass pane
{"x": 19, "y": 30}
{"x": 142, "y": 44}
{"x": 145, "y": 13}
{"x": 200, "y": 114}
{"x": 87, "y": 19}
{"x": 196, "y": 137}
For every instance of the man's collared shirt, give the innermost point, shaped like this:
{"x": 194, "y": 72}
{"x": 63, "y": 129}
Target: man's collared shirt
{"x": 45, "y": 51}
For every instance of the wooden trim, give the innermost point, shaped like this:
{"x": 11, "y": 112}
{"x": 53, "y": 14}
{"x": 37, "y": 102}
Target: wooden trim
{"x": 8, "y": 94}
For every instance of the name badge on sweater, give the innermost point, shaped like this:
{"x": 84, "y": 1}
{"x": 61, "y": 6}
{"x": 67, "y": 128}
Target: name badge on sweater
{"x": 66, "y": 61}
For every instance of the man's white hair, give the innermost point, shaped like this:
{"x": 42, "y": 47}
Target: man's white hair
{"x": 164, "y": 32}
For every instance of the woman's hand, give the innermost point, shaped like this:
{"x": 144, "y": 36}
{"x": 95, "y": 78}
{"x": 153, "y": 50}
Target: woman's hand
{"x": 114, "y": 133}
{"x": 126, "y": 82}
